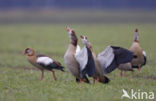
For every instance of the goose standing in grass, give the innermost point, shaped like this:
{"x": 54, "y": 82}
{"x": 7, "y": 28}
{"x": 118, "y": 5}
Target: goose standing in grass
{"x": 108, "y": 60}
{"x": 43, "y": 62}
{"x": 99, "y": 74}
{"x": 69, "y": 58}
{"x": 139, "y": 59}
{"x": 139, "y": 56}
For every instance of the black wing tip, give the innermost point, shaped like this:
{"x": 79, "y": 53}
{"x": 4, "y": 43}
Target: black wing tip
{"x": 145, "y": 60}
{"x": 61, "y": 68}
{"x": 104, "y": 80}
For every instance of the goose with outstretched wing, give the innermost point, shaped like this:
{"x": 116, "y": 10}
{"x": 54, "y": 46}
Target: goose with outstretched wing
{"x": 108, "y": 60}
{"x": 112, "y": 57}
{"x": 139, "y": 56}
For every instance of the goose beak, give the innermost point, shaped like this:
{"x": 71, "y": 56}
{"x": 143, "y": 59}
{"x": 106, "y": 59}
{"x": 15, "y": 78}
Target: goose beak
{"x": 24, "y": 53}
{"x": 68, "y": 29}
{"x": 81, "y": 36}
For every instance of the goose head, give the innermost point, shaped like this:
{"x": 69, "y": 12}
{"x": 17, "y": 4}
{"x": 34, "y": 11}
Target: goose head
{"x": 72, "y": 36}
{"x": 29, "y": 52}
{"x": 86, "y": 42}
{"x": 136, "y": 36}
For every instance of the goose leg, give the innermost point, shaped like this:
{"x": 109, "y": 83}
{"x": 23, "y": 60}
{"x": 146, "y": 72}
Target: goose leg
{"x": 42, "y": 75}
{"x": 139, "y": 69}
{"x": 84, "y": 80}
{"x": 96, "y": 79}
{"x": 81, "y": 80}
{"x": 124, "y": 73}
{"x": 53, "y": 73}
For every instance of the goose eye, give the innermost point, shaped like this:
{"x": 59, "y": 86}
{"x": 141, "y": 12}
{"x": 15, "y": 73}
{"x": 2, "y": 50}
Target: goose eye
{"x": 135, "y": 56}
{"x": 81, "y": 37}
{"x": 28, "y": 51}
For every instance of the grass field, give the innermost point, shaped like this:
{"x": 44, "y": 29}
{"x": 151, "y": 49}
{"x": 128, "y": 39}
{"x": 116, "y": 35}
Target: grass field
{"x": 20, "y": 81}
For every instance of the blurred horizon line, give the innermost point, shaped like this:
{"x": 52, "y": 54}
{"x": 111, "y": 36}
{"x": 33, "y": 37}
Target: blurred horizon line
{"x": 79, "y": 16}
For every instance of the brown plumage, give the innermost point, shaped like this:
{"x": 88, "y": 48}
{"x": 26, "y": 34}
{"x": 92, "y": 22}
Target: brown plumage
{"x": 42, "y": 62}
{"x": 69, "y": 57}
{"x": 99, "y": 75}
{"x": 125, "y": 67}
{"x": 139, "y": 58}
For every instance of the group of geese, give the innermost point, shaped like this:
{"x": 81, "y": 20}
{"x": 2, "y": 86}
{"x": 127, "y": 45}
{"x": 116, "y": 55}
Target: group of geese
{"x": 84, "y": 63}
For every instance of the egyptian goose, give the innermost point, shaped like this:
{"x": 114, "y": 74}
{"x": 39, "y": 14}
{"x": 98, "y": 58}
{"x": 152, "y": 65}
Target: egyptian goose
{"x": 108, "y": 60}
{"x": 43, "y": 62}
{"x": 139, "y": 56}
{"x": 125, "y": 67}
{"x": 99, "y": 74}
{"x": 70, "y": 58}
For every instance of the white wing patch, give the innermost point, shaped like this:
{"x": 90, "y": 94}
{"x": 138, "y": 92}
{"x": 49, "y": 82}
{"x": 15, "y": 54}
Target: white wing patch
{"x": 144, "y": 53}
{"x": 106, "y": 57}
{"x": 44, "y": 60}
{"x": 82, "y": 58}
{"x": 78, "y": 49}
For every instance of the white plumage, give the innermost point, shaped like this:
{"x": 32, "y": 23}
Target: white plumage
{"x": 106, "y": 57}
{"x": 44, "y": 60}
{"x": 144, "y": 53}
{"x": 82, "y": 58}
{"x": 78, "y": 49}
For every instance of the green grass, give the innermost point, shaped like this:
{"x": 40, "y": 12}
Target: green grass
{"x": 18, "y": 84}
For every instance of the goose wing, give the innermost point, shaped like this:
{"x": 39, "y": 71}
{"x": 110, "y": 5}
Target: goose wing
{"x": 44, "y": 60}
{"x": 112, "y": 57}
{"x": 78, "y": 49}
{"x": 86, "y": 62}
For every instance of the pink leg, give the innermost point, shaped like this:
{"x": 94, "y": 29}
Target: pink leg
{"x": 124, "y": 73}
{"x": 93, "y": 80}
{"x": 139, "y": 69}
{"x": 54, "y": 75}
{"x": 81, "y": 80}
{"x": 97, "y": 80}
{"x": 42, "y": 75}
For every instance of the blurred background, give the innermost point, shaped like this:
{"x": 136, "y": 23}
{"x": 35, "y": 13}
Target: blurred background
{"x": 77, "y": 11}
{"x": 40, "y": 24}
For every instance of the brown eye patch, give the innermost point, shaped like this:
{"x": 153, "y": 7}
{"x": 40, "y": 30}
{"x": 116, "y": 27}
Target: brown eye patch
{"x": 81, "y": 36}
{"x": 73, "y": 34}
{"x": 73, "y": 31}
{"x": 27, "y": 49}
